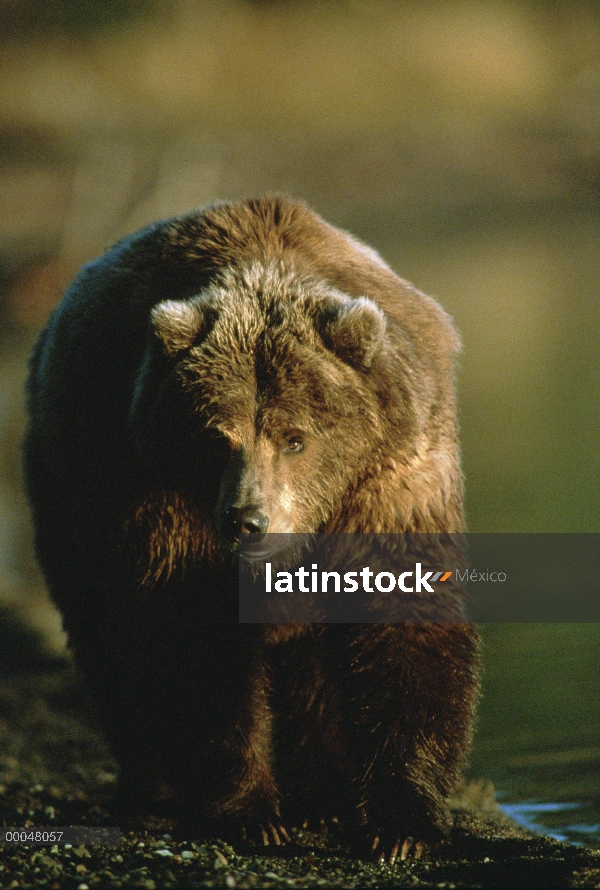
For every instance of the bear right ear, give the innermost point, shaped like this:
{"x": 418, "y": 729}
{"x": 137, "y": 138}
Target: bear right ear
{"x": 177, "y": 324}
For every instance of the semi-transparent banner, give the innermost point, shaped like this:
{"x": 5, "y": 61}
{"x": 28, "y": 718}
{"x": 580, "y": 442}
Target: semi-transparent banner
{"x": 419, "y": 578}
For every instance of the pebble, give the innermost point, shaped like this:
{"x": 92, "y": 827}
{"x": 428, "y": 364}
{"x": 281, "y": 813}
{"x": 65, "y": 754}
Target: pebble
{"x": 186, "y": 854}
{"x": 163, "y": 853}
{"x": 220, "y": 861}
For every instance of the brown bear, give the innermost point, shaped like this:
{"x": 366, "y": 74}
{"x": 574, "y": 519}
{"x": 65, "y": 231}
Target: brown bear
{"x": 244, "y": 368}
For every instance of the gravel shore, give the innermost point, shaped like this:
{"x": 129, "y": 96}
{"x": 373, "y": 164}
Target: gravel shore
{"x": 55, "y": 771}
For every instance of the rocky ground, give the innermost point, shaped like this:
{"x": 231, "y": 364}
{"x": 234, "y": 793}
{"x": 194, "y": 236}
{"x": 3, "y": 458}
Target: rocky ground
{"x": 56, "y": 771}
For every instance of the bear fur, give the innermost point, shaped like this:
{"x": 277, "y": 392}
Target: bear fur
{"x": 250, "y": 357}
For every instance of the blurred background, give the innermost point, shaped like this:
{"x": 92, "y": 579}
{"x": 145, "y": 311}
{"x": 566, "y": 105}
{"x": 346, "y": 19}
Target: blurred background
{"x": 460, "y": 138}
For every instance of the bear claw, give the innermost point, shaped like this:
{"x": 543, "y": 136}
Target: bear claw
{"x": 266, "y": 834}
{"x": 399, "y": 851}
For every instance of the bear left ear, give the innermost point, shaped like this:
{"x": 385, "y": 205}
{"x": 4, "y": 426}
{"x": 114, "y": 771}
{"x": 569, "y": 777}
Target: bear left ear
{"x": 176, "y": 323}
{"x": 353, "y": 329}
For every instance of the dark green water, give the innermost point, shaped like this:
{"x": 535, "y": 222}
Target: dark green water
{"x": 538, "y": 736}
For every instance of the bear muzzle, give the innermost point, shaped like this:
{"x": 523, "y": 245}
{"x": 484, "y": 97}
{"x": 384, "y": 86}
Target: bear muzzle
{"x": 247, "y": 524}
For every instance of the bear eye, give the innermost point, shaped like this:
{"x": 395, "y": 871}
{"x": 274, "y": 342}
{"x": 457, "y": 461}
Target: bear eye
{"x": 295, "y": 444}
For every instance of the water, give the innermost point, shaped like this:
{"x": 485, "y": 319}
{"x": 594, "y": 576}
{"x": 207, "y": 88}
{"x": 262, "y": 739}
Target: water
{"x": 556, "y": 820}
{"x": 538, "y": 737}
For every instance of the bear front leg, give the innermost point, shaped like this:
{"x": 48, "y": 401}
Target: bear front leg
{"x": 217, "y": 751}
{"x": 252, "y": 806}
{"x": 408, "y": 694}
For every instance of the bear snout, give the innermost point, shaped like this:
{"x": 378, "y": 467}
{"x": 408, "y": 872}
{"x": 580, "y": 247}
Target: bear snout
{"x": 244, "y": 522}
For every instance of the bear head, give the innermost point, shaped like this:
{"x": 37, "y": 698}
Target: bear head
{"x": 268, "y": 397}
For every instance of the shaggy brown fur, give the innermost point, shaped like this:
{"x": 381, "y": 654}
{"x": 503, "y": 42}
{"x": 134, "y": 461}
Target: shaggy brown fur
{"x": 250, "y": 356}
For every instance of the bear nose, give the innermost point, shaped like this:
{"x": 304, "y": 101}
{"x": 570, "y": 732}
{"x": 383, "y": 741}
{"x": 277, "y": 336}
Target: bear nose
{"x": 245, "y": 521}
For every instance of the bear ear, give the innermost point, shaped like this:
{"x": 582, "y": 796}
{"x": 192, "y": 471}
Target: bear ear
{"x": 177, "y": 324}
{"x": 353, "y": 329}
